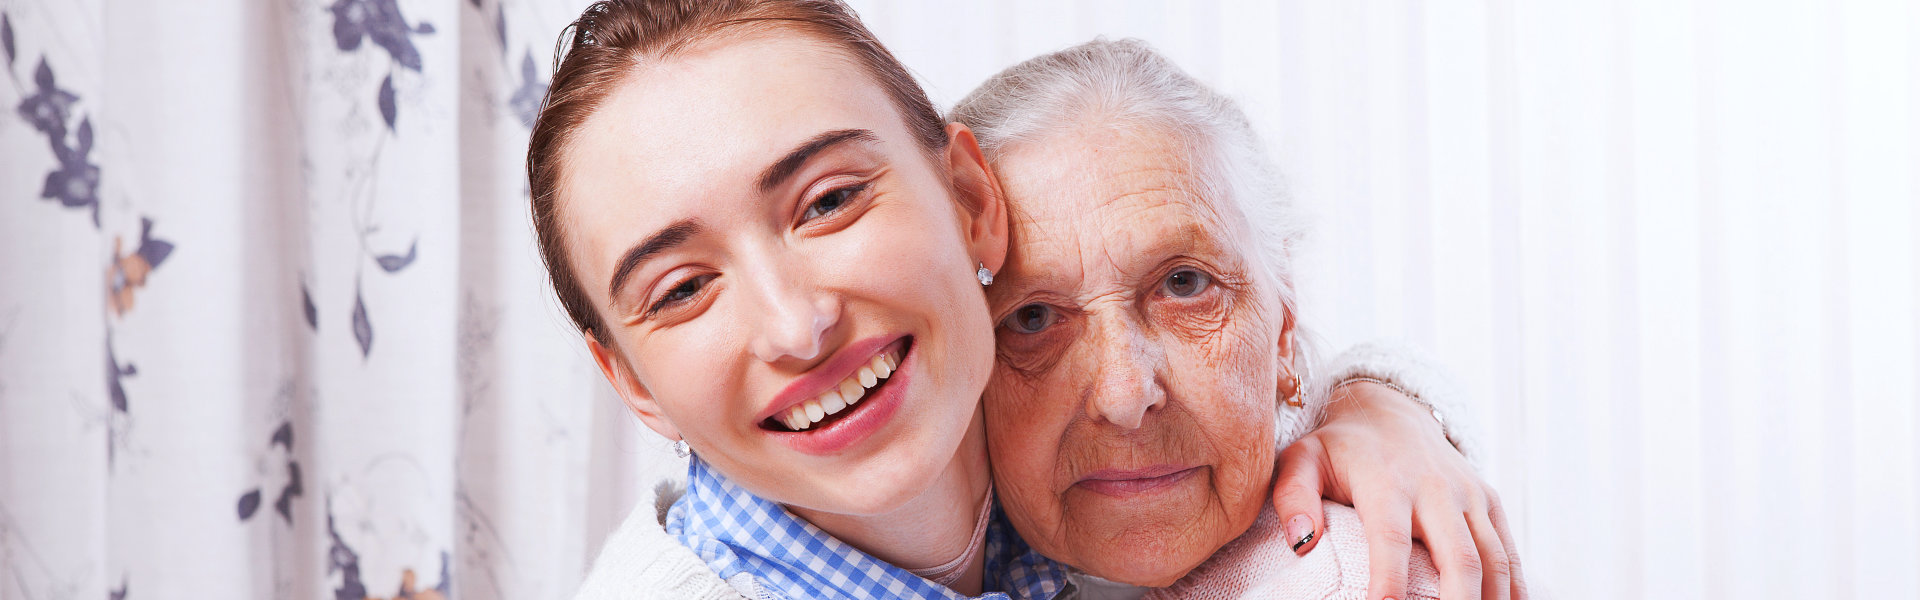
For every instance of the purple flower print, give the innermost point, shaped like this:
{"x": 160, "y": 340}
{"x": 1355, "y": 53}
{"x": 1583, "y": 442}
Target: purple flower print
{"x": 76, "y": 183}
{"x": 49, "y": 107}
{"x": 357, "y": 20}
{"x": 533, "y": 89}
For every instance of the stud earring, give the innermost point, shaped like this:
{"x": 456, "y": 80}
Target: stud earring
{"x": 681, "y": 450}
{"x": 985, "y": 276}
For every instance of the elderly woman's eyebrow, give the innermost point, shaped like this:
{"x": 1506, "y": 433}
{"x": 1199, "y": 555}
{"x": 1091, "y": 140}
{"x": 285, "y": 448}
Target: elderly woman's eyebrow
{"x": 1200, "y": 236}
{"x": 778, "y": 172}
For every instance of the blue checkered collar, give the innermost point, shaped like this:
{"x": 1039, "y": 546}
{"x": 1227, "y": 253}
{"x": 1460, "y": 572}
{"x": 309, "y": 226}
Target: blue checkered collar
{"x": 736, "y": 532}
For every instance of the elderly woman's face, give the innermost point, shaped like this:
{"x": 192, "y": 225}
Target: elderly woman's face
{"x": 1130, "y": 416}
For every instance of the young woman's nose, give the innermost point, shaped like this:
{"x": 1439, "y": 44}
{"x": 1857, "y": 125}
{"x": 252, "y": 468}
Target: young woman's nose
{"x": 792, "y": 319}
{"x": 1126, "y": 382}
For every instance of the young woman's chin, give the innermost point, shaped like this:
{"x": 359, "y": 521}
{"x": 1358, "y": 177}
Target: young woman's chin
{"x": 885, "y": 481}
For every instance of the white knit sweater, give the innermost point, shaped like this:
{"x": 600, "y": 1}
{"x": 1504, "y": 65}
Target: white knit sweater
{"x": 641, "y": 561}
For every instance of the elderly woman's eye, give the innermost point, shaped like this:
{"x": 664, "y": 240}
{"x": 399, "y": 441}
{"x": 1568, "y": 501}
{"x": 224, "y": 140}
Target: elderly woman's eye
{"x": 831, "y": 201}
{"x": 1030, "y": 318}
{"x": 1186, "y": 283}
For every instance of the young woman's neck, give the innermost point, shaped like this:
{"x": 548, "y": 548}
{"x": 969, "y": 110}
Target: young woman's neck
{"x": 933, "y": 528}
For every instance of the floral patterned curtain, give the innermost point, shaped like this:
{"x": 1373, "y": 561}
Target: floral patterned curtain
{"x": 294, "y": 233}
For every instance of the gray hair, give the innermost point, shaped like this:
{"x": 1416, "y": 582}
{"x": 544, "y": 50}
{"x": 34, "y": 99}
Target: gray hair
{"x": 1125, "y": 84}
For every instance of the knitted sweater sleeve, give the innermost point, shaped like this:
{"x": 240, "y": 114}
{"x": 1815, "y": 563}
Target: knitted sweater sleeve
{"x": 1404, "y": 366}
{"x": 642, "y": 561}
{"x": 1260, "y": 564}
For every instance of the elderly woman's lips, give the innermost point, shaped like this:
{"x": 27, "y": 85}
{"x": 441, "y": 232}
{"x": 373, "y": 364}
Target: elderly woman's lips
{"x": 1128, "y": 482}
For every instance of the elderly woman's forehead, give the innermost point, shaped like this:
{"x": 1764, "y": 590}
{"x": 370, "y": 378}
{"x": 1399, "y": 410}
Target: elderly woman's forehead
{"x": 1126, "y": 239}
{"x": 1098, "y": 184}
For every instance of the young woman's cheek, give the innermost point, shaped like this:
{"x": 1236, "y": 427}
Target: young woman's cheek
{"x": 691, "y": 372}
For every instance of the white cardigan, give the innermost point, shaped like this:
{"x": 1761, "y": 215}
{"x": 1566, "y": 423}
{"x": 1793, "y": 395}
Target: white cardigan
{"x": 641, "y": 561}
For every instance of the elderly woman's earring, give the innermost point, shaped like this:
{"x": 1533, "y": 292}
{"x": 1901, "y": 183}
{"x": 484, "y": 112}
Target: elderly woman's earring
{"x": 985, "y": 276}
{"x": 1297, "y": 397}
{"x": 681, "y": 450}
{"x": 1304, "y": 381}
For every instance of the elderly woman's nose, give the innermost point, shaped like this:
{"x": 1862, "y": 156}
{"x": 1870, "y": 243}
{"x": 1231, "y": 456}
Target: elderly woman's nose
{"x": 790, "y": 318}
{"x": 1127, "y": 383}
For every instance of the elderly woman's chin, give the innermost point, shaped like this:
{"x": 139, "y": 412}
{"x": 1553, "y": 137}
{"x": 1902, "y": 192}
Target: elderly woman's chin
{"x": 1148, "y": 537}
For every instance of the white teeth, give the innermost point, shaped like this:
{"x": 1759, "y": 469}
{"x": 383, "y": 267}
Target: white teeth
{"x": 831, "y": 402}
{"x": 850, "y": 391}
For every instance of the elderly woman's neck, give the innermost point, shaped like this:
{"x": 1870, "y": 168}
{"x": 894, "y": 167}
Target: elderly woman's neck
{"x": 932, "y": 529}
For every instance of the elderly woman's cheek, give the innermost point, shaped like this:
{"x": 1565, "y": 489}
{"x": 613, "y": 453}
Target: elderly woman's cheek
{"x": 1202, "y": 323}
{"x": 1215, "y": 325}
{"x": 1237, "y": 408}
{"x": 1024, "y": 428}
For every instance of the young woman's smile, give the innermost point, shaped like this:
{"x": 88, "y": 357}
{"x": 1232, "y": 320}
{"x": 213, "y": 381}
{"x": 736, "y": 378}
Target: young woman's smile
{"x": 845, "y": 400}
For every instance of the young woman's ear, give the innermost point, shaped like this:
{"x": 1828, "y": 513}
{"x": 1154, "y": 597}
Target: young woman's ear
{"x": 985, "y": 214}
{"x": 625, "y": 383}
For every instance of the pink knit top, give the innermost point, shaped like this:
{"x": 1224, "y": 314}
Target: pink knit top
{"x": 1261, "y": 564}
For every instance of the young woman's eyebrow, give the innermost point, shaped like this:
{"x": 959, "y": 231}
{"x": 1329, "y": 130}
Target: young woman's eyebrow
{"x": 778, "y": 172}
{"x": 661, "y": 241}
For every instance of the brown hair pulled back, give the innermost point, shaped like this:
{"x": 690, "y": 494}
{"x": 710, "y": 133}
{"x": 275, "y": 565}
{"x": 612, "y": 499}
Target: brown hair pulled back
{"x": 601, "y": 48}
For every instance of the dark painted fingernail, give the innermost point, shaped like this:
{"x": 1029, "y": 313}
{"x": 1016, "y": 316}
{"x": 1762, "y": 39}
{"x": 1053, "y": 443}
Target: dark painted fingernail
{"x": 1300, "y": 530}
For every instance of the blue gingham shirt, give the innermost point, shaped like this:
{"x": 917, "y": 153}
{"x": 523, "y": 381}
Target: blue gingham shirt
{"x": 737, "y": 532}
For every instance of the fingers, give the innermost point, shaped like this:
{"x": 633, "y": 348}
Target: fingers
{"x": 1296, "y": 495}
{"x": 1389, "y": 530}
{"x": 1498, "y": 514}
{"x": 1495, "y": 567}
{"x": 1451, "y": 543}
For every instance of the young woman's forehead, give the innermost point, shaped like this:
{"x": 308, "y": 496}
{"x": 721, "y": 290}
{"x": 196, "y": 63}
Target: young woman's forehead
{"x": 710, "y": 120}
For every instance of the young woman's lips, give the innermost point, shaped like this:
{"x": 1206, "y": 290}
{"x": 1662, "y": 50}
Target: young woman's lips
{"x": 1122, "y": 483}
{"x": 861, "y": 420}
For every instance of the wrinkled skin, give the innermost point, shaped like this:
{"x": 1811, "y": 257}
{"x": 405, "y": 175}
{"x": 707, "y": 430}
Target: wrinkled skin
{"x": 1106, "y": 369}
{"x": 1133, "y": 334}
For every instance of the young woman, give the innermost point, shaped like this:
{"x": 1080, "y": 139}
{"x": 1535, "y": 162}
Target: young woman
{"x": 773, "y": 247}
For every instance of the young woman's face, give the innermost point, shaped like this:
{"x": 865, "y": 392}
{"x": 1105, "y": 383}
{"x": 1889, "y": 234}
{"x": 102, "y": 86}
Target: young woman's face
{"x": 786, "y": 276}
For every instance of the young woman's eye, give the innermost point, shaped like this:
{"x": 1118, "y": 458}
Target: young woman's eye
{"x": 1186, "y": 283}
{"x": 1031, "y": 318}
{"x": 680, "y": 293}
{"x": 831, "y": 201}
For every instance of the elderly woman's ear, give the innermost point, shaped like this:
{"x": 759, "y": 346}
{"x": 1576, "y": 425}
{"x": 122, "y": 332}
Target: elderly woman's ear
{"x": 983, "y": 208}
{"x": 1292, "y": 384}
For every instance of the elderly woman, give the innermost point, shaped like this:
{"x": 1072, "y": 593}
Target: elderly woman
{"x": 1148, "y": 333}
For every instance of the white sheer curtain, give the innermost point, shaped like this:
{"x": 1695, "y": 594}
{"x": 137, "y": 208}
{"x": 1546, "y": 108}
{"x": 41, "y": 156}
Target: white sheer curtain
{"x": 1673, "y": 247}
{"x": 331, "y": 360}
